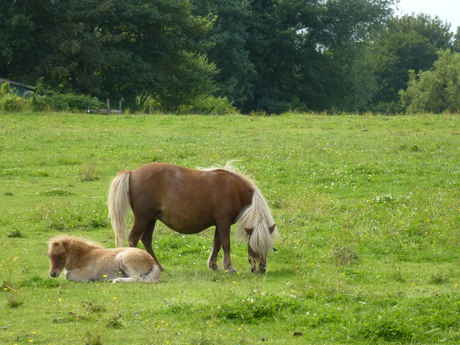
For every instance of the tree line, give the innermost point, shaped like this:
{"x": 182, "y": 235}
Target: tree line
{"x": 266, "y": 56}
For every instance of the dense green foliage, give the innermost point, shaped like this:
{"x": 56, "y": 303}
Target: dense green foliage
{"x": 107, "y": 49}
{"x": 408, "y": 43}
{"x": 436, "y": 90}
{"x": 266, "y": 56}
{"x": 281, "y": 55}
{"x": 367, "y": 208}
{"x": 9, "y": 101}
{"x": 45, "y": 99}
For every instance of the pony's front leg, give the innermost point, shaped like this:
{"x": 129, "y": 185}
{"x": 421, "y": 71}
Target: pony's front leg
{"x": 212, "y": 261}
{"x": 224, "y": 235}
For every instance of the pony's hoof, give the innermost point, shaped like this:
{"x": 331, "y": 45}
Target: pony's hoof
{"x": 257, "y": 271}
{"x": 114, "y": 281}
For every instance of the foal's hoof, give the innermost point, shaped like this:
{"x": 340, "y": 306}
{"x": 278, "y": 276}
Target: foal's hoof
{"x": 114, "y": 281}
{"x": 257, "y": 271}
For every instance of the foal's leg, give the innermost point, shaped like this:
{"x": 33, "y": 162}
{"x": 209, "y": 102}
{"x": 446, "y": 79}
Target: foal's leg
{"x": 79, "y": 275}
{"x": 224, "y": 235}
{"x": 132, "y": 265}
{"x": 133, "y": 276}
{"x": 212, "y": 261}
{"x": 146, "y": 239}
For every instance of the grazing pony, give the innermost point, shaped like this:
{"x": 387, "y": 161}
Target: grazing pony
{"x": 190, "y": 201}
{"x": 86, "y": 261}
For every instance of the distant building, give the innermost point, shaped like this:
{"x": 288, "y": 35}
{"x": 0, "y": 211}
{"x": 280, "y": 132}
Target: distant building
{"x": 22, "y": 90}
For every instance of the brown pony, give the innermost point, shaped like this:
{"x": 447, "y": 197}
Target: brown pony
{"x": 87, "y": 261}
{"x": 190, "y": 201}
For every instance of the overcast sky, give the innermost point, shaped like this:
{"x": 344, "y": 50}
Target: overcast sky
{"x": 445, "y": 9}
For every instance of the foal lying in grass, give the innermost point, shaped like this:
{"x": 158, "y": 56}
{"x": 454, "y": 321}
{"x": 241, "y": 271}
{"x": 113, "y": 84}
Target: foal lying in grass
{"x": 87, "y": 261}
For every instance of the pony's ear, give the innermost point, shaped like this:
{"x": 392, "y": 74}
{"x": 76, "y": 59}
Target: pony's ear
{"x": 249, "y": 231}
{"x": 272, "y": 228}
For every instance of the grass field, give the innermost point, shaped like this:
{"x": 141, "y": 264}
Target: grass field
{"x": 368, "y": 209}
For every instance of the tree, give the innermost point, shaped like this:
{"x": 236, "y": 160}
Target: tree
{"x": 409, "y": 42}
{"x": 16, "y": 41}
{"x": 228, "y": 38}
{"x": 276, "y": 55}
{"x": 456, "y": 45}
{"x": 189, "y": 79}
{"x": 436, "y": 90}
{"x": 109, "y": 49}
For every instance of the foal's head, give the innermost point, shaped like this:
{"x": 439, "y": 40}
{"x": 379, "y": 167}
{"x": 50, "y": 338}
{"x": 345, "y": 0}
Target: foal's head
{"x": 259, "y": 245}
{"x": 58, "y": 257}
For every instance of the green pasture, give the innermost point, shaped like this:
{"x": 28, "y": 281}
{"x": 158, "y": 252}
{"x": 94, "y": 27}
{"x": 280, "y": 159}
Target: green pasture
{"x": 368, "y": 209}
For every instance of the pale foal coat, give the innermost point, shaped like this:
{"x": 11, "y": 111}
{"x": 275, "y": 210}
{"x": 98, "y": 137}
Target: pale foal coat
{"x": 86, "y": 261}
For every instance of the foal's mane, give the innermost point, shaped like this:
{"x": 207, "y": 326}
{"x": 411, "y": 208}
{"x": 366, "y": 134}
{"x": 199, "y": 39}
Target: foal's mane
{"x": 68, "y": 241}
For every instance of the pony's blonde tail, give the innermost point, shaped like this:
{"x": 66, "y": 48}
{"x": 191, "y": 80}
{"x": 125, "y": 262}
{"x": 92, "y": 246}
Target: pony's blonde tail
{"x": 153, "y": 276}
{"x": 118, "y": 202}
{"x": 258, "y": 219}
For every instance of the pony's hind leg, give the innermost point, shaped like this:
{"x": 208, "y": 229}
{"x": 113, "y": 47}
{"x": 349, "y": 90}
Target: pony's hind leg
{"x": 146, "y": 239}
{"x": 212, "y": 261}
{"x": 139, "y": 226}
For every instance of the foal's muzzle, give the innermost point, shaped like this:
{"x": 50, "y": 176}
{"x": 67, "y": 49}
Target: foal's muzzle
{"x": 54, "y": 274}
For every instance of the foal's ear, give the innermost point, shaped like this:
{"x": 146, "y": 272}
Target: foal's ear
{"x": 249, "y": 231}
{"x": 272, "y": 228}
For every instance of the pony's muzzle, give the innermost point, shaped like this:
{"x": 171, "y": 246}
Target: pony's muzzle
{"x": 260, "y": 269}
{"x": 257, "y": 270}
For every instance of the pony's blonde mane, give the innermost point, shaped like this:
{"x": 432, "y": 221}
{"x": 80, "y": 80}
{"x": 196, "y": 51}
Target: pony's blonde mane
{"x": 230, "y": 168}
{"x": 257, "y": 216}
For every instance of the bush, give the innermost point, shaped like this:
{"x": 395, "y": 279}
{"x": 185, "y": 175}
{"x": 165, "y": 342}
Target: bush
{"x": 204, "y": 105}
{"x": 209, "y": 105}
{"x": 437, "y": 90}
{"x": 46, "y": 99}
{"x": 9, "y": 101}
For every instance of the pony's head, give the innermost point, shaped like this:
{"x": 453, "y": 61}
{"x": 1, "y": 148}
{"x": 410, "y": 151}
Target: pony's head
{"x": 58, "y": 257}
{"x": 259, "y": 244}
